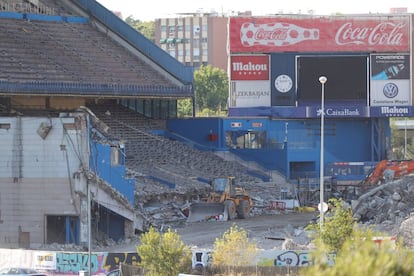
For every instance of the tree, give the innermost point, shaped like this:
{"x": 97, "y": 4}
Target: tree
{"x": 145, "y": 28}
{"x": 337, "y": 227}
{"x": 211, "y": 88}
{"x": 234, "y": 248}
{"x": 163, "y": 254}
{"x": 184, "y": 108}
{"x": 400, "y": 143}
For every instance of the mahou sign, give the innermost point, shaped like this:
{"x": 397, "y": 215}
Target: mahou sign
{"x": 319, "y": 34}
{"x": 249, "y": 67}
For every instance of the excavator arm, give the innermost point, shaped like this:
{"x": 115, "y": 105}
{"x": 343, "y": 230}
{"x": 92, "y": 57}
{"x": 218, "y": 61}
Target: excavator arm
{"x": 389, "y": 170}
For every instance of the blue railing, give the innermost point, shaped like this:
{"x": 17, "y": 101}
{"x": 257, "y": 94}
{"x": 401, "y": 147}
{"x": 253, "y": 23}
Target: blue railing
{"x": 43, "y": 17}
{"x": 40, "y": 87}
{"x": 162, "y": 181}
{"x": 259, "y": 175}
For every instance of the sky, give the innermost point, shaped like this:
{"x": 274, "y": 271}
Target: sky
{"x": 153, "y": 9}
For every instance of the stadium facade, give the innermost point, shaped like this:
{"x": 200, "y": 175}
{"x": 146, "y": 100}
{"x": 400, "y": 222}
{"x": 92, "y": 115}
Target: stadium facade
{"x": 275, "y": 95}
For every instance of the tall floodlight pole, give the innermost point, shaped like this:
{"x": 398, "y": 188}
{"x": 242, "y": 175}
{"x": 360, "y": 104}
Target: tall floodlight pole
{"x": 405, "y": 139}
{"x": 89, "y": 228}
{"x": 322, "y": 80}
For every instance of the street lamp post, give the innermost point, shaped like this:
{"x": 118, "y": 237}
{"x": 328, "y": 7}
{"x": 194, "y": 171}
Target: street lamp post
{"x": 322, "y": 80}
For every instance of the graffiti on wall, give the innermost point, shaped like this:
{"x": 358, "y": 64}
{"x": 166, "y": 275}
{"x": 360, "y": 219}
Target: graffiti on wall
{"x": 71, "y": 263}
{"x": 292, "y": 258}
{"x": 113, "y": 260}
{"x": 67, "y": 263}
{"x": 100, "y": 262}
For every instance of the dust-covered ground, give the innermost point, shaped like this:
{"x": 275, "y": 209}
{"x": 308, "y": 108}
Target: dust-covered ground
{"x": 267, "y": 231}
{"x": 387, "y": 208}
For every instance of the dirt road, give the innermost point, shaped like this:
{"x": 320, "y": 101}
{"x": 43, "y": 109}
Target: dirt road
{"x": 268, "y": 231}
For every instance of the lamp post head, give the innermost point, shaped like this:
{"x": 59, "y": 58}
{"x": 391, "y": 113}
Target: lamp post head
{"x": 323, "y": 79}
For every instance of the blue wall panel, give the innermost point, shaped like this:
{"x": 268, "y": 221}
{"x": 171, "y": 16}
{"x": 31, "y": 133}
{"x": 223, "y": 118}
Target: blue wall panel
{"x": 198, "y": 130}
{"x": 288, "y": 141}
{"x": 100, "y": 163}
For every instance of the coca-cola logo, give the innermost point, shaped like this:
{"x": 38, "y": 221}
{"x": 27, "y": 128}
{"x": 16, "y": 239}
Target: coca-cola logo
{"x": 386, "y": 33}
{"x": 276, "y": 34}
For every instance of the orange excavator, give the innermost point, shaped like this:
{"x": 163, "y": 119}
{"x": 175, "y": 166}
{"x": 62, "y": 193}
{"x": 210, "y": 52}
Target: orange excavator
{"x": 388, "y": 170}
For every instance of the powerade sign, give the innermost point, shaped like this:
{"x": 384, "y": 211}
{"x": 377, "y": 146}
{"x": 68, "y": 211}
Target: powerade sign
{"x": 339, "y": 112}
{"x": 392, "y": 111}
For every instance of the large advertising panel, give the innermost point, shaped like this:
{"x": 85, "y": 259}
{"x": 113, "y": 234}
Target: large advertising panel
{"x": 346, "y": 75}
{"x": 390, "y": 80}
{"x": 249, "y": 81}
{"x": 387, "y": 33}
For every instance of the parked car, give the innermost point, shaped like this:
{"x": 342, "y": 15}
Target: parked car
{"x": 115, "y": 272}
{"x": 20, "y": 271}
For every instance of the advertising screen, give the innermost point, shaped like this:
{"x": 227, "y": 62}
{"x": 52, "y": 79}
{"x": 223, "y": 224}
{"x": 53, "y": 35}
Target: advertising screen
{"x": 347, "y": 78}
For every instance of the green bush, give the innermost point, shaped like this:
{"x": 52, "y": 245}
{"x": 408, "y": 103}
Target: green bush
{"x": 344, "y": 249}
{"x": 337, "y": 227}
{"x": 163, "y": 254}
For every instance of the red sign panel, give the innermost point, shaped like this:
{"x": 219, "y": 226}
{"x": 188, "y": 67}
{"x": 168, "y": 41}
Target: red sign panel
{"x": 319, "y": 34}
{"x": 249, "y": 68}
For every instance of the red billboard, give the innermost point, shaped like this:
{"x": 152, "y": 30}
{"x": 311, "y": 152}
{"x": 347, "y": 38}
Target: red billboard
{"x": 251, "y": 67}
{"x": 319, "y": 34}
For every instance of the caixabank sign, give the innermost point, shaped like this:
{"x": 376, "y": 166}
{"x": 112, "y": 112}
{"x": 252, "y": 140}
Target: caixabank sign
{"x": 338, "y": 111}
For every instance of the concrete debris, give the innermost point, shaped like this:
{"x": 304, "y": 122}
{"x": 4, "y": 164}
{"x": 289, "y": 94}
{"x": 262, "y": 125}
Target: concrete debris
{"x": 290, "y": 244}
{"x": 61, "y": 247}
{"x": 406, "y": 231}
{"x": 169, "y": 208}
{"x": 388, "y": 208}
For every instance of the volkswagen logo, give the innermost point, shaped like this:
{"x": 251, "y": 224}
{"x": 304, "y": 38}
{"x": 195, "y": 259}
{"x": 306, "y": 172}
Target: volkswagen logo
{"x": 390, "y": 90}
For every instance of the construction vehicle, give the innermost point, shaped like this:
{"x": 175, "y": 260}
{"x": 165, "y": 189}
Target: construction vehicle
{"x": 383, "y": 172}
{"x": 388, "y": 170}
{"x": 225, "y": 202}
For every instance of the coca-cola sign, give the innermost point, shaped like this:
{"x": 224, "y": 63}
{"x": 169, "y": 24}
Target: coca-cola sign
{"x": 253, "y": 67}
{"x": 387, "y": 33}
{"x": 327, "y": 34}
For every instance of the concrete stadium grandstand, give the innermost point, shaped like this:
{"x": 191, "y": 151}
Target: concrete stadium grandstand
{"x": 84, "y": 100}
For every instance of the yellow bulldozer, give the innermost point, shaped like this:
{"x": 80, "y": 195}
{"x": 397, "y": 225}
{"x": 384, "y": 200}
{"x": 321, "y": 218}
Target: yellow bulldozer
{"x": 225, "y": 202}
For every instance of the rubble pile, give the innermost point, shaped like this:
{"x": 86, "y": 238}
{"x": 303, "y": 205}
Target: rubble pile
{"x": 388, "y": 207}
{"x": 163, "y": 209}
{"x": 406, "y": 231}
